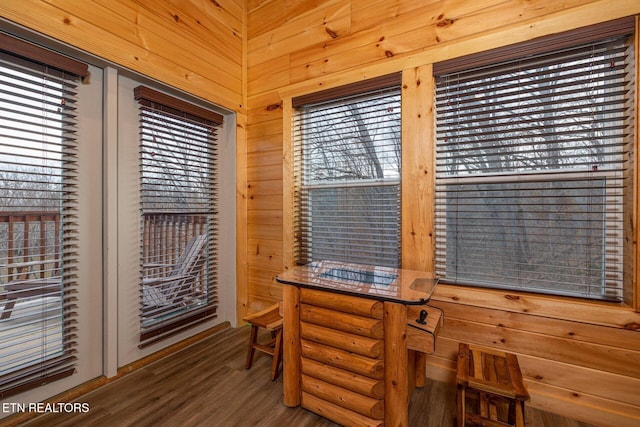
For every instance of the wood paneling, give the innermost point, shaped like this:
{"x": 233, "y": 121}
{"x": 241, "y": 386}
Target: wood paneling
{"x": 561, "y": 343}
{"x": 265, "y": 254}
{"x": 192, "y": 45}
{"x": 269, "y": 75}
{"x": 267, "y": 15}
{"x": 265, "y": 157}
{"x": 260, "y": 129}
{"x": 320, "y": 25}
{"x": 270, "y": 111}
{"x": 598, "y": 313}
{"x": 264, "y": 173}
{"x": 418, "y": 169}
{"x": 264, "y": 218}
{"x": 266, "y": 188}
{"x": 257, "y": 287}
{"x": 539, "y": 324}
{"x": 579, "y": 353}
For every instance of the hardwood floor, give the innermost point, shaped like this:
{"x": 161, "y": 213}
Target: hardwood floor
{"x": 206, "y": 385}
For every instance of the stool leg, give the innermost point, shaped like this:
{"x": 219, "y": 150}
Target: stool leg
{"x": 493, "y": 410}
{"x": 277, "y": 355}
{"x": 484, "y": 405}
{"x": 511, "y": 415}
{"x": 461, "y": 408}
{"x": 252, "y": 350}
{"x": 520, "y": 414}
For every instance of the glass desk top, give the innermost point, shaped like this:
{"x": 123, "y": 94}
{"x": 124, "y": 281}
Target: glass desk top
{"x": 368, "y": 281}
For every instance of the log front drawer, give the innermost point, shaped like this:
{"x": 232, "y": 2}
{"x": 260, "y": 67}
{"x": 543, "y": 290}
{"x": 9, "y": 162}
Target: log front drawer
{"x": 342, "y": 364}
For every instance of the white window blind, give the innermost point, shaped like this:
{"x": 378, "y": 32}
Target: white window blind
{"x": 178, "y": 157}
{"x": 38, "y": 215}
{"x": 533, "y": 184}
{"x": 347, "y": 175}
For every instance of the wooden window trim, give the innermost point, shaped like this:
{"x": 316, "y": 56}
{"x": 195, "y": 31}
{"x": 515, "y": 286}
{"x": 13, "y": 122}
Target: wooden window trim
{"x": 381, "y": 82}
{"x": 318, "y": 108}
{"x": 42, "y": 56}
{"x": 538, "y": 45}
{"x": 169, "y": 104}
{"x": 157, "y": 108}
{"x": 582, "y": 36}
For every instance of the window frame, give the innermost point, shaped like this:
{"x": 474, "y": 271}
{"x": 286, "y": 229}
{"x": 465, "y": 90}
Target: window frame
{"x": 542, "y": 45}
{"x": 39, "y": 62}
{"x": 339, "y": 97}
{"x": 151, "y": 101}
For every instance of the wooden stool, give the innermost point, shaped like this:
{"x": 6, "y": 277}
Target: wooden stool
{"x": 495, "y": 376}
{"x": 271, "y": 320}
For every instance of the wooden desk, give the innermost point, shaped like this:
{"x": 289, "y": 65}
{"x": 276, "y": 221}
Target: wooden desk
{"x": 350, "y": 348}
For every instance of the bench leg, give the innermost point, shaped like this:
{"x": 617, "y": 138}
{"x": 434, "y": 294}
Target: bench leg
{"x": 461, "y": 408}
{"x": 484, "y": 405}
{"x": 520, "y": 414}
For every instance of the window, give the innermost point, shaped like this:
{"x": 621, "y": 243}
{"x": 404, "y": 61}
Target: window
{"x": 347, "y": 174}
{"x": 179, "y": 214}
{"x": 533, "y": 165}
{"x": 38, "y": 215}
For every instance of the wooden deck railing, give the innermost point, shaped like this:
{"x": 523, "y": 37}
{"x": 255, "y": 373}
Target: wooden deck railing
{"x": 30, "y": 241}
{"x": 29, "y": 245}
{"x": 165, "y": 236}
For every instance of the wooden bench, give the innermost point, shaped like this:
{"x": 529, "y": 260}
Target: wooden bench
{"x": 494, "y": 377}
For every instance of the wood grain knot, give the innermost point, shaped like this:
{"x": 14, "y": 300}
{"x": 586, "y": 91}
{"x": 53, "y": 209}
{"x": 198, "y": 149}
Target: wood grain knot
{"x": 331, "y": 33}
{"x": 633, "y": 326}
{"x": 445, "y": 23}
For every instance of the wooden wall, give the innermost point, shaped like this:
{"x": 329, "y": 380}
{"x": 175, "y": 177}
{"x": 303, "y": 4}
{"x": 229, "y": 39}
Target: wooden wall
{"x": 194, "y": 45}
{"x": 580, "y": 359}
